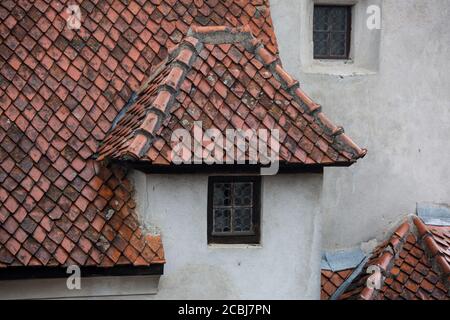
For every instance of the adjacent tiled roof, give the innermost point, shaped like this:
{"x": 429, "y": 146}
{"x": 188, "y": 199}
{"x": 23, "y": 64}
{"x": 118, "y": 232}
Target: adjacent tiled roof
{"x": 227, "y": 79}
{"x": 339, "y": 268}
{"x": 60, "y": 91}
{"x": 330, "y": 281}
{"x": 414, "y": 263}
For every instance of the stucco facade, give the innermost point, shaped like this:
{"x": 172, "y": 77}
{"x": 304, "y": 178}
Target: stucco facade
{"x": 286, "y": 265}
{"x": 399, "y": 110}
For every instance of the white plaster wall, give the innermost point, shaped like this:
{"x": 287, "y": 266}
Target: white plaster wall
{"x": 401, "y": 114}
{"x": 285, "y": 266}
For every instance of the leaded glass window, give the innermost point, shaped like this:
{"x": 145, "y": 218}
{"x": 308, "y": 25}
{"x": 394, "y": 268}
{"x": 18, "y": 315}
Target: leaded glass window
{"x": 332, "y": 26}
{"x": 233, "y": 209}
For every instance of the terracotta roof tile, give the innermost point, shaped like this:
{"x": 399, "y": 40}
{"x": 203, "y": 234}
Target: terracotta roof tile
{"x": 220, "y": 70}
{"x": 331, "y": 281}
{"x": 413, "y": 267}
{"x": 437, "y": 241}
{"x": 60, "y": 91}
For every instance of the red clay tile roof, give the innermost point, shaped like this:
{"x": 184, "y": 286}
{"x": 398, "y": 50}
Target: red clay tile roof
{"x": 226, "y": 79}
{"x": 415, "y": 264}
{"x": 60, "y": 91}
{"x": 330, "y": 281}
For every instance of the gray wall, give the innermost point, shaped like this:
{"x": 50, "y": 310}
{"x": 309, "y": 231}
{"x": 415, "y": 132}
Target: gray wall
{"x": 285, "y": 266}
{"x": 401, "y": 114}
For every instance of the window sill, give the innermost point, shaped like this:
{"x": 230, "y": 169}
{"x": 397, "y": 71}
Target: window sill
{"x": 340, "y": 68}
{"x": 214, "y": 246}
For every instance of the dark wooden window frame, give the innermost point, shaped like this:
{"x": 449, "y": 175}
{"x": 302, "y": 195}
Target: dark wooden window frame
{"x": 346, "y": 56}
{"x": 236, "y": 237}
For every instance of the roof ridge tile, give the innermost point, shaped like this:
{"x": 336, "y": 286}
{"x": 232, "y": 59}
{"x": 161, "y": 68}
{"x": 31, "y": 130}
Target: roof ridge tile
{"x": 182, "y": 58}
{"x": 292, "y": 86}
{"x": 433, "y": 249}
{"x": 221, "y": 34}
{"x": 265, "y": 56}
{"x": 407, "y": 270}
{"x": 387, "y": 256}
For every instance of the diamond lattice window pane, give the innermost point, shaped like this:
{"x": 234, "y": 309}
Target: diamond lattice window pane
{"x": 337, "y": 44}
{"x": 222, "y": 194}
{"x": 242, "y": 220}
{"x": 338, "y": 18}
{"x": 321, "y": 19}
{"x": 243, "y": 194}
{"x": 222, "y": 220}
{"x": 321, "y": 43}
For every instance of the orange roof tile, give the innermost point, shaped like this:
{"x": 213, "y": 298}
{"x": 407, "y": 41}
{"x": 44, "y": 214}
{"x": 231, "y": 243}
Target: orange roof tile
{"x": 225, "y": 78}
{"x": 330, "y": 281}
{"x": 413, "y": 267}
{"x": 60, "y": 91}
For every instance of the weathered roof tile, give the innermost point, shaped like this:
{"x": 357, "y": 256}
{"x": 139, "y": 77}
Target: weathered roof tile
{"x": 220, "y": 71}
{"x": 412, "y": 267}
{"x": 60, "y": 91}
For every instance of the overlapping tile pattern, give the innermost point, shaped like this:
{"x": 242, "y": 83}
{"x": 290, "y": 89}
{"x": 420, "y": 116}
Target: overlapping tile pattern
{"x": 330, "y": 281}
{"x": 226, "y": 79}
{"x": 60, "y": 90}
{"x": 437, "y": 242}
{"x": 411, "y": 264}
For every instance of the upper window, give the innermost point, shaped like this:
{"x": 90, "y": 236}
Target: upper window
{"x": 234, "y": 209}
{"x": 332, "y": 26}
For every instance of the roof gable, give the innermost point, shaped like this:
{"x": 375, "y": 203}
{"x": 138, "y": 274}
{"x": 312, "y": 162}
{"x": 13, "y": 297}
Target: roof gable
{"x": 227, "y": 79}
{"x": 414, "y": 262}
